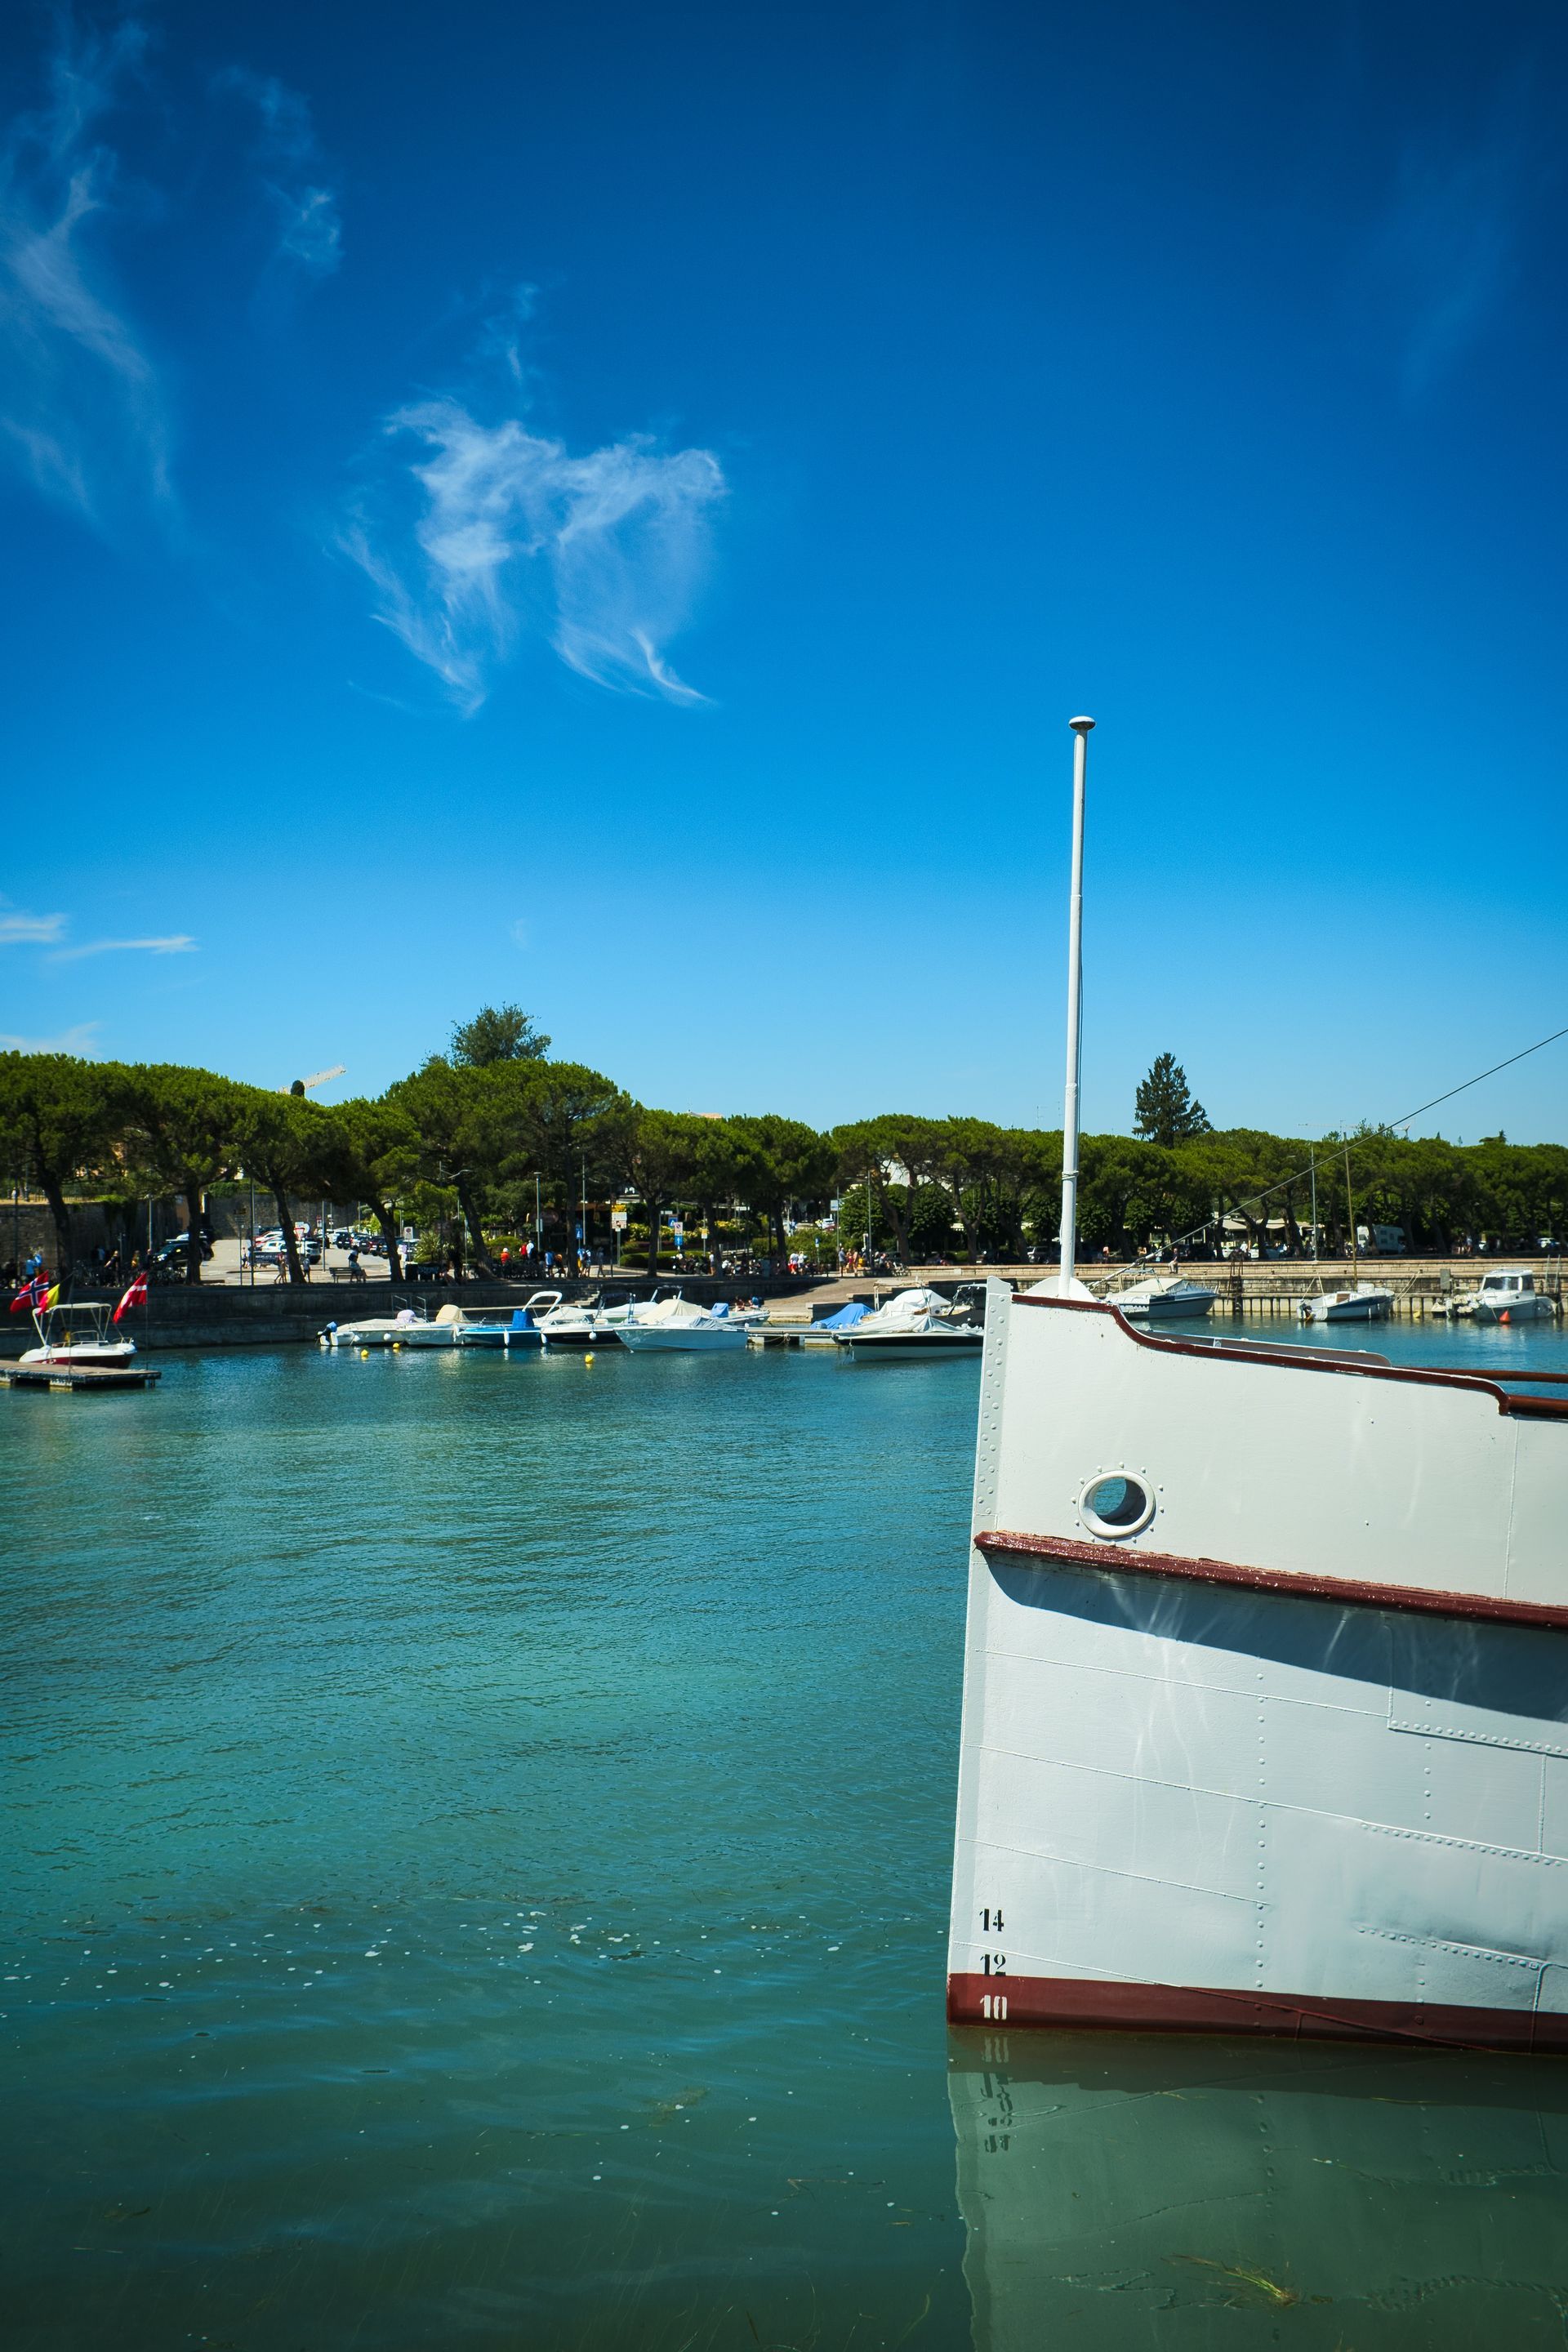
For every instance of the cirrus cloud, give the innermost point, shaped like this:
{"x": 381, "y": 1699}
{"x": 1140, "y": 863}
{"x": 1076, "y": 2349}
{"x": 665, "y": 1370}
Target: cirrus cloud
{"x": 482, "y": 532}
{"x": 81, "y": 405}
{"x": 176, "y": 943}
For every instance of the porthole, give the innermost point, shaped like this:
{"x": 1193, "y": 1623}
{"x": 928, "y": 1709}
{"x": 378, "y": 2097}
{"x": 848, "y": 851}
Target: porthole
{"x": 1116, "y": 1503}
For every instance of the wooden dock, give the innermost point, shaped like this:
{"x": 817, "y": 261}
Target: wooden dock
{"x": 89, "y": 1378}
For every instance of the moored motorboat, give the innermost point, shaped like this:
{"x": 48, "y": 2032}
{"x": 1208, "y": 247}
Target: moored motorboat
{"x": 1509, "y": 1295}
{"x": 827, "y": 1331}
{"x": 1363, "y": 1302}
{"x": 913, "y": 1324}
{"x": 500, "y": 1330}
{"x": 680, "y": 1326}
{"x": 77, "y": 1333}
{"x": 578, "y": 1324}
{"x": 408, "y": 1327}
{"x": 1164, "y": 1298}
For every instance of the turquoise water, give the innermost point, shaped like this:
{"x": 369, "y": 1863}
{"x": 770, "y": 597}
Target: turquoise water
{"x": 478, "y": 1843}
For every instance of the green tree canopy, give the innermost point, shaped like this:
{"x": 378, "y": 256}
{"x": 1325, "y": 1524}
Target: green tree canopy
{"x": 59, "y": 1119}
{"x": 497, "y": 1033}
{"x": 1165, "y": 1110}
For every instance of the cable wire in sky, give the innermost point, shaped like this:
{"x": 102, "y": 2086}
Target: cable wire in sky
{"x": 1255, "y": 1200}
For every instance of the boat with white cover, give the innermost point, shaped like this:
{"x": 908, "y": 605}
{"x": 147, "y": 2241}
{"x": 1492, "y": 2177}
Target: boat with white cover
{"x": 1164, "y": 1298}
{"x": 1266, "y": 1680}
{"x": 408, "y": 1327}
{"x": 1509, "y": 1295}
{"x": 915, "y": 1323}
{"x": 680, "y": 1326}
{"x": 78, "y": 1333}
{"x": 1363, "y": 1302}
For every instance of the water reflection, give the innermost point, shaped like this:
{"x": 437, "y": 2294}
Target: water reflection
{"x": 1150, "y": 2191}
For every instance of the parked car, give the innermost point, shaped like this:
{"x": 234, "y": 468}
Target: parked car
{"x": 176, "y": 1254}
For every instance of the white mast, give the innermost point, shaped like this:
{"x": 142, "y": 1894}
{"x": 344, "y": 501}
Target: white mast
{"x": 1068, "y": 1284}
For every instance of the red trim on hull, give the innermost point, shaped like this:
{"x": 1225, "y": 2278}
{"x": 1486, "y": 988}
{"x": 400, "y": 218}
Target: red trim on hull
{"x": 1079, "y": 2001}
{"x": 1309, "y": 1360}
{"x": 1114, "y": 1557}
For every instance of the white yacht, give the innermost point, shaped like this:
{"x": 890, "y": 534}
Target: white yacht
{"x": 1365, "y": 1302}
{"x": 914, "y": 1323}
{"x": 1509, "y": 1295}
{"x": 78, "y": 1334}
{"x": 1164, "y": 1298}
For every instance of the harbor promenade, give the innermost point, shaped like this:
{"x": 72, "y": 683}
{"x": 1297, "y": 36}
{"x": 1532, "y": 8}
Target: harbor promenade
{"x": 232, "y": 1313}
{"x": 1422, "y": 1287}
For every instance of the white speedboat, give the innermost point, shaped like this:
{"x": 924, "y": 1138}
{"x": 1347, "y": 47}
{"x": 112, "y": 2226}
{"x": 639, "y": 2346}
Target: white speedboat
{"x": 78, "y": 1334}
{"x": 680, "y": 1324}
{"x": 915, "y": 1323}
{"x": 1365, "y": 1302}
{"x": 577, "y": 1323}
{"x": 614, "y": 1318}
{"x": 408, "y": 1328}
{"x": 1163, "y": 1299}
{"x": 502, "y": 1328}
{"x": 1509, "y": 1295}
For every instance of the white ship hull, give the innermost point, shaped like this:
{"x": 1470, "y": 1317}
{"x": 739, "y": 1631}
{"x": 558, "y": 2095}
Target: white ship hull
{"x": 1290, "y": 1754}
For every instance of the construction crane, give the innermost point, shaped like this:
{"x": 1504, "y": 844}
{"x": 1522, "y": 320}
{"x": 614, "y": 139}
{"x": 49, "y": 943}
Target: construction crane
{"x": 303, "y": 1085}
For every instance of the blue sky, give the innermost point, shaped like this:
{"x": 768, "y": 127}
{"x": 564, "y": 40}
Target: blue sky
{"x": 612, "y": 508}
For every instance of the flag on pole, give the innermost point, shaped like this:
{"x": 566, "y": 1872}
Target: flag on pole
{"x": 30, "y": 1295}
{"x": 50, "y": 1296}
{"x": 135, "y": 1297}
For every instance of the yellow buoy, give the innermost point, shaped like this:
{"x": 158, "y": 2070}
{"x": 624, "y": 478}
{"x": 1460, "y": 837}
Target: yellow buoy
{"x": 589, "y": 1357}
{"x": 365, "y": 1355}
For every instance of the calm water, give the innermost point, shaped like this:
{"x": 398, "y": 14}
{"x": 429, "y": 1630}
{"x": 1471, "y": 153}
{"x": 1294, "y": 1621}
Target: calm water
{"x": 478, "y": 1847}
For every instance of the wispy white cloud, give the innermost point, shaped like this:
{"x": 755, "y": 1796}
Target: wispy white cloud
{"x": 177, "y": 943}
{"x": 79, "y": 1040}
{"x": 1450, "y": 249}
{"x": 82, "y": 410}
{"x": 509, "y": 531}
{"x": 304, "y": 206}
{"x": 18, "y": 929}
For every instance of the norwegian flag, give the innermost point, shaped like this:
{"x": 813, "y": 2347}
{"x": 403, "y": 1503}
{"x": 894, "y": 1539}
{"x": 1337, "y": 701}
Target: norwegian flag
{"x": 32, "y": 1294}
{"x": 134, "y": 1297}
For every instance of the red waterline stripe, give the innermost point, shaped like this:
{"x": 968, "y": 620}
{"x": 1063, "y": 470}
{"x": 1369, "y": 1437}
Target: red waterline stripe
{"x": 1343, "y": 1588}
{"x": 1079, "y": 2001}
